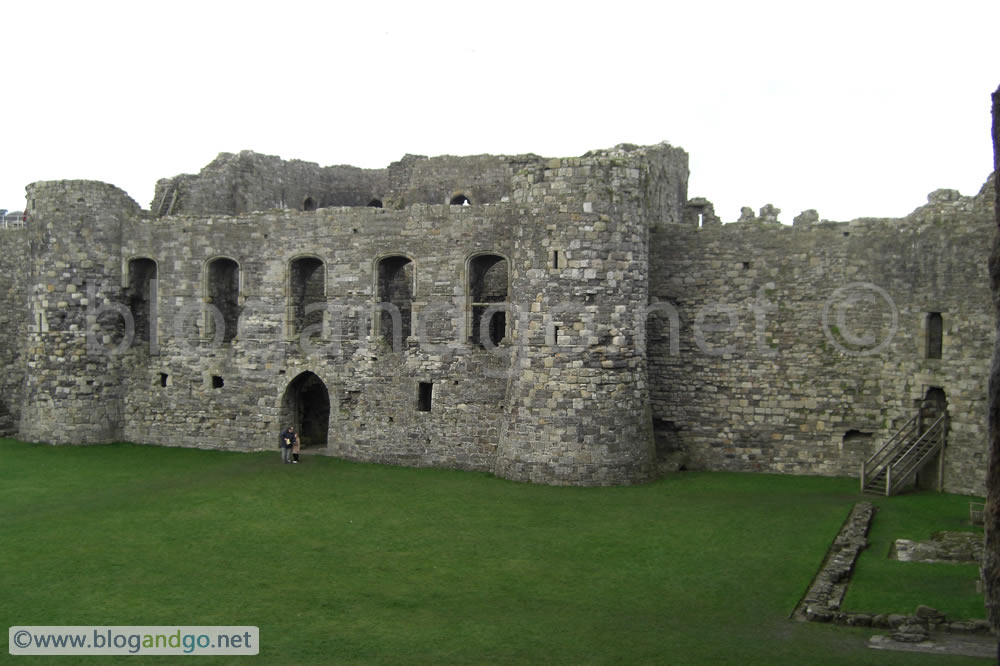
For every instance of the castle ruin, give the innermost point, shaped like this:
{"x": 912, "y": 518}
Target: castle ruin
{"x": 563, "y": 321}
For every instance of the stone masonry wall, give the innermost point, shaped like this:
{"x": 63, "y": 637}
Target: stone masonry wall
{"x": 13, "y": 321}
{"x": 766, "y": 366}
{"x": 631, "y": 335}
{"x": 71, "y": 392}
{"x": 235, "y": 183}
{"x": 566, "y": 407}
{"x": 373, "y": 389}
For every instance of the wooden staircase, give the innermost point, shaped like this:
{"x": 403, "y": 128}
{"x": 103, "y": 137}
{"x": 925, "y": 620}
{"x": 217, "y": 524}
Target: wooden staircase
{"x": 907, "y": 452}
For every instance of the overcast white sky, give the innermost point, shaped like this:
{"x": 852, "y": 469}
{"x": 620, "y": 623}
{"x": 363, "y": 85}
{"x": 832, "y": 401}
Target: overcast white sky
{"x": 851, "y": 108}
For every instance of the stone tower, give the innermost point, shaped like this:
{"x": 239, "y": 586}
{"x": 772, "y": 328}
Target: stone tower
{"x": 73, "y": 391}
{"x": 578, "y": 393}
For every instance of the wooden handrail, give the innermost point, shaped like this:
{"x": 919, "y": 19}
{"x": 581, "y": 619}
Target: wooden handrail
{"x": 878, "y": 460}
{"x": 906, "y": 464}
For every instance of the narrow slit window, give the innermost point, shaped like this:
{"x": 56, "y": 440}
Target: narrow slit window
{"x": 424, "y": 395}
{"x": 935, "y": 335}
{"x": 164, "y": 377}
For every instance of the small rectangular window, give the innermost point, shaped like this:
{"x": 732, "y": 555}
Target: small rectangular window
{"x": 557, "y": 260}
{"x": 424, "y": 395}
{"x": 163, "y": 378}
{"x": 217, "y": 381}
{"x": 935, "y": 335}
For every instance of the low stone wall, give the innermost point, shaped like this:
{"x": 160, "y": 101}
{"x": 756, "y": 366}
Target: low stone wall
{"x": 826, "y": 593}
{"x": 822, "y": 601}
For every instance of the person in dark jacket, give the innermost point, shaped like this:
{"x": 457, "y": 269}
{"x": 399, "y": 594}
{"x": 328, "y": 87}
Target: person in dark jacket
{"x": 288, "y": 439}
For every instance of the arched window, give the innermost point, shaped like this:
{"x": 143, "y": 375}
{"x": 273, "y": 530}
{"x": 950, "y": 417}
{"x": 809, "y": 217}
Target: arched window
{"x": 222, "y": 294}
{"x": 142, "y": 297}
{"x": 394, "y": 293}
{"x": 309, "y": 204}
{"x": 375, "y": 203}
{"x": 935, "y": 335}
{"x": 460, "y": 200}
{"x": 306, "y": 294}
{"x": 487, "y": 296}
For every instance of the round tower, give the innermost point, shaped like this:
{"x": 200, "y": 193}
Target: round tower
{"x": 578, "y": 395}
{"x": 78, "y": 326}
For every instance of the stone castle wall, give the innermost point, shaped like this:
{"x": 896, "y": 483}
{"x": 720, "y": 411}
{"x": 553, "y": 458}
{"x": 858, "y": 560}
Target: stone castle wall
{"x": 757, "y": 353}
{"x": 633, "y": 339}
{"x": 14, "y": 266}
{"x": 563, "y": 397}
{"x": 244, "y": 182}
{"x": 373, "y": 389}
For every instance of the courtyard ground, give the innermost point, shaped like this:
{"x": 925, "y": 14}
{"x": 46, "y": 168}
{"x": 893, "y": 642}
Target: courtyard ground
{"x": 349, "y": 563}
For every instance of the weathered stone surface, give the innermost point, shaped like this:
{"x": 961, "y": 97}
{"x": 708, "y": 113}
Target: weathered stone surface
{"x": 926, "y": 614}
{"x": 991, "y": 558}
{"x": 825, "y": 594}
{"x": 942, "y": 547}
{"x": 895, "y": 620}
{"x": 748, "y": 357}
{"x": 639, "y": 333}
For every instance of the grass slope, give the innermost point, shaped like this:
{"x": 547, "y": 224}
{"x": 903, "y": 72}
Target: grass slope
{"x": 348, "y": 563}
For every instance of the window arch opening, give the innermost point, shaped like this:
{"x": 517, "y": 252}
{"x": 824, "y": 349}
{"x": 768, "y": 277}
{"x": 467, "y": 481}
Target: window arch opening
{"x": 309, "y": 204}
{"x": 223, "y": 295}
{"x": 375, "y": 203}
{"x": 460, "y": 200}
{"x": 142, "y": 298}
{"x": 488, "y": 296}
{"x": 394, "y": 299}
{"x": 306, "y": 294}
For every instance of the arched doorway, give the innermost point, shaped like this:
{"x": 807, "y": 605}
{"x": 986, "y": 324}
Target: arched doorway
{"x": 306, "y": 405}
{"x": 933, "y": 423}
{"x": 934, "y": 405}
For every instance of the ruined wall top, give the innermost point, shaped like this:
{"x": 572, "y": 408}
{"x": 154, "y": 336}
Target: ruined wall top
{"x": 654, "y": 177}
{"x": 943, "y": 205}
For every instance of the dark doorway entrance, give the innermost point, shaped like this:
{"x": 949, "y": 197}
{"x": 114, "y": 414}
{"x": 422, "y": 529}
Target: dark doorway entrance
{"x": 306, "y": 404}
{"x": 933, "y": 423}
{"x": 934, "y": 405}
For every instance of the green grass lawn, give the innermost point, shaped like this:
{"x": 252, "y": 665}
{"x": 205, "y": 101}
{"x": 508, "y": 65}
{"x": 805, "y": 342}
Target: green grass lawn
{"x": 348, "y": 563}
{"x": 890, "y": 586}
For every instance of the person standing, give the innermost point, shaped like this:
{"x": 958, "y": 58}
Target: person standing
{"x": 295, "y": 448}
{"x": 287, "y": 439}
